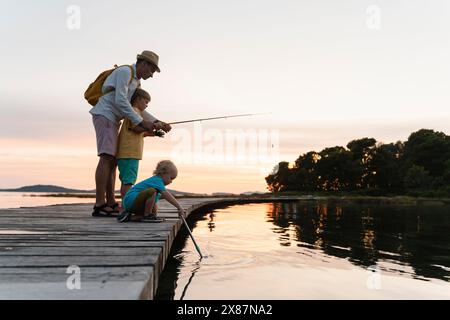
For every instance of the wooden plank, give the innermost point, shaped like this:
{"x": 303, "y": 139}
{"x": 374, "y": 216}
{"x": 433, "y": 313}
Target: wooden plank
{"x": 77, "y": 251}
{"x": 61, "y": 274}
{"x": 96, "y": 283}
{"x": 85, "y": 243}
{"x": 78, "y": 260}
{"x": 118, "y": 260}
{"x": 113, "y": 227}
{"x": 162, "y": 236}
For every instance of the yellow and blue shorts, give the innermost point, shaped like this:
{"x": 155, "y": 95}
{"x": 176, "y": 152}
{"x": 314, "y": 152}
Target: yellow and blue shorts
{"x": 128, "y": 169}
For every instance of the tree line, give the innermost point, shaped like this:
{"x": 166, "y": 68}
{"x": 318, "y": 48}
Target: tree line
{"x": 418, "y": 166}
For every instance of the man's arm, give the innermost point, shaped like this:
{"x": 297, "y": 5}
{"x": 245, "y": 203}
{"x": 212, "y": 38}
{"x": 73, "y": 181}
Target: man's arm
{"x": 148, "y": 117}
{"x": 163, "y": 126}
{"x": 148, "y": 126}
{"x": 121, "y": 99}
{"x": 140, "y": 129}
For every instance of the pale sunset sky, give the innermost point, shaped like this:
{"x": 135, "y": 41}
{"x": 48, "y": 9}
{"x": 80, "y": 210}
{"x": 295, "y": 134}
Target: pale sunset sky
{"x": 328, "y": 71}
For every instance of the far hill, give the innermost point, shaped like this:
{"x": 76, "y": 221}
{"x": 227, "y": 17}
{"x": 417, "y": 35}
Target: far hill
{"x": 58, "y": 189}
{"x": 45, "y": 188}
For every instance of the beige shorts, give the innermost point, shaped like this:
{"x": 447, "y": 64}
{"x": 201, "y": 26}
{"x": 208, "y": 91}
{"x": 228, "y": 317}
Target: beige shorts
{"x": 107, "y": 135}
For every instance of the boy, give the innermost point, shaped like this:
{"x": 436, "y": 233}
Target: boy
{"x": 140, "y": 201}
{"x": 131, "y": 143}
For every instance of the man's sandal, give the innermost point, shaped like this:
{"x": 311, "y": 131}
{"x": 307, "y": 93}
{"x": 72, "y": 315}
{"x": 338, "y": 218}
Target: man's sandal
{"x": 115, "y": 207}
{"x": 101, "y": 212}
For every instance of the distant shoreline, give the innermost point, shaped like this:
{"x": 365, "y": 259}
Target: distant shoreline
{"x": 92, "y": 195}
{"x": 400, "y": 200}
{"x": 58, "y": 191}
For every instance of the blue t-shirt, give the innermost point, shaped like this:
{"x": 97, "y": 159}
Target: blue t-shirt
{"x": 155, "y": 182}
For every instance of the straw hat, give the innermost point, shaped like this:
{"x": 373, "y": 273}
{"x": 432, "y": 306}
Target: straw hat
{"x": 151, "y": 57}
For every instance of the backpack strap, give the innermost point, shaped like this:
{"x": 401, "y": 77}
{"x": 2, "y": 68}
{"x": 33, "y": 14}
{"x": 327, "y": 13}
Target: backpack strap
{"x": 132, "y": 72}
{"x": 129, "y": 82}
{"x": 132, "y": 75}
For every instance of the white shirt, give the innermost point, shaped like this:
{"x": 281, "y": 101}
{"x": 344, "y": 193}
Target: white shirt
{"x": 115, "y": 105}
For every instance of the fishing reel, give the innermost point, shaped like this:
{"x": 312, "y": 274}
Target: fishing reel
{"x": 159, "y": 133}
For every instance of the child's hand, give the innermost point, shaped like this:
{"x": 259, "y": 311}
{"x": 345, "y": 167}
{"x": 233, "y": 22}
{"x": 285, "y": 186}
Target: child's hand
{"x": 182, "y": 213}
{"x": 149, "y": 133}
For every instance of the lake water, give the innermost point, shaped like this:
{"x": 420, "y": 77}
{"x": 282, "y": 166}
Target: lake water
{"x": 35, "y": 199}
{"x": 311, "y": 250}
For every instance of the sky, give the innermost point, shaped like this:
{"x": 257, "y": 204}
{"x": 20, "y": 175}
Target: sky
{"x": 327, "y": 72}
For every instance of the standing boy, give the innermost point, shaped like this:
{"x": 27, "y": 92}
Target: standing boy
{"x": 131, "y": 143}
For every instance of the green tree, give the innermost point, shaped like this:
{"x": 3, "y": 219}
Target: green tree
{"x": 305, "y": 171}
{"x": 338, "y": 170}
{"x": 417, "y": 178}
{"x": 428, "y": 149}
{"x": 278, "y": 180}
{"x": 422, "y": 162}
{"x": 362, "y": 150}
{"x": 384, "y": 166}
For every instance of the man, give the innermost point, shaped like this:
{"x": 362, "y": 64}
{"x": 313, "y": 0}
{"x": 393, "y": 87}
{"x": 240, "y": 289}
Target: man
{"x": 111, "y": 108}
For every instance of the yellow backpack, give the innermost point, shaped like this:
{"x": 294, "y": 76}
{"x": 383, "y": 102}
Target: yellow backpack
{"x": 94, "y": 91}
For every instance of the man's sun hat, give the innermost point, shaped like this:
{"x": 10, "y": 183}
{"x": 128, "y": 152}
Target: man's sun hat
{"x": 151, "y": 57}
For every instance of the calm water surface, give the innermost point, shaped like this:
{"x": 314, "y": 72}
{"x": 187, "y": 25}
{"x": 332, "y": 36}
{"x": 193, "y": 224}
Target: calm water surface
{"x": 311, "y": 250}
{"x": 35, "y": 199}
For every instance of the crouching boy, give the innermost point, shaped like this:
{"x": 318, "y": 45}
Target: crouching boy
{"x": 140, "y": 201}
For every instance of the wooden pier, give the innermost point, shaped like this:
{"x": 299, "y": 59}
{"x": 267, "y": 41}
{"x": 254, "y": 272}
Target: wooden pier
{"x": 62, "y": 252}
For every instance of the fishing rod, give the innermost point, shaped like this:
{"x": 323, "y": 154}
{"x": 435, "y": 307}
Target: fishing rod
{"x": 160, "y": 133}
{"x": 192, "y": 237}
{"x": 215, "y": 118}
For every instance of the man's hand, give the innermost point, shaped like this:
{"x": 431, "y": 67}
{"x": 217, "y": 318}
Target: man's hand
{"x": 162, "y": 126}
{"x": 158, "y": 125}
{"x": 166, "y": 127}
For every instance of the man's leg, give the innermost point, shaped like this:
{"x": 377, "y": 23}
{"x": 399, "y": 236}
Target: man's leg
{"x": 106, "y": 135}
{"x": 111, "y": 184}
{"x": 102, "y": 175}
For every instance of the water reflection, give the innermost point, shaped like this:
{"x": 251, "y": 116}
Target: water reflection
{"x": 408, "y": 236}
{"x": 319, "y": 244}
{"x": 211, "y": 224}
